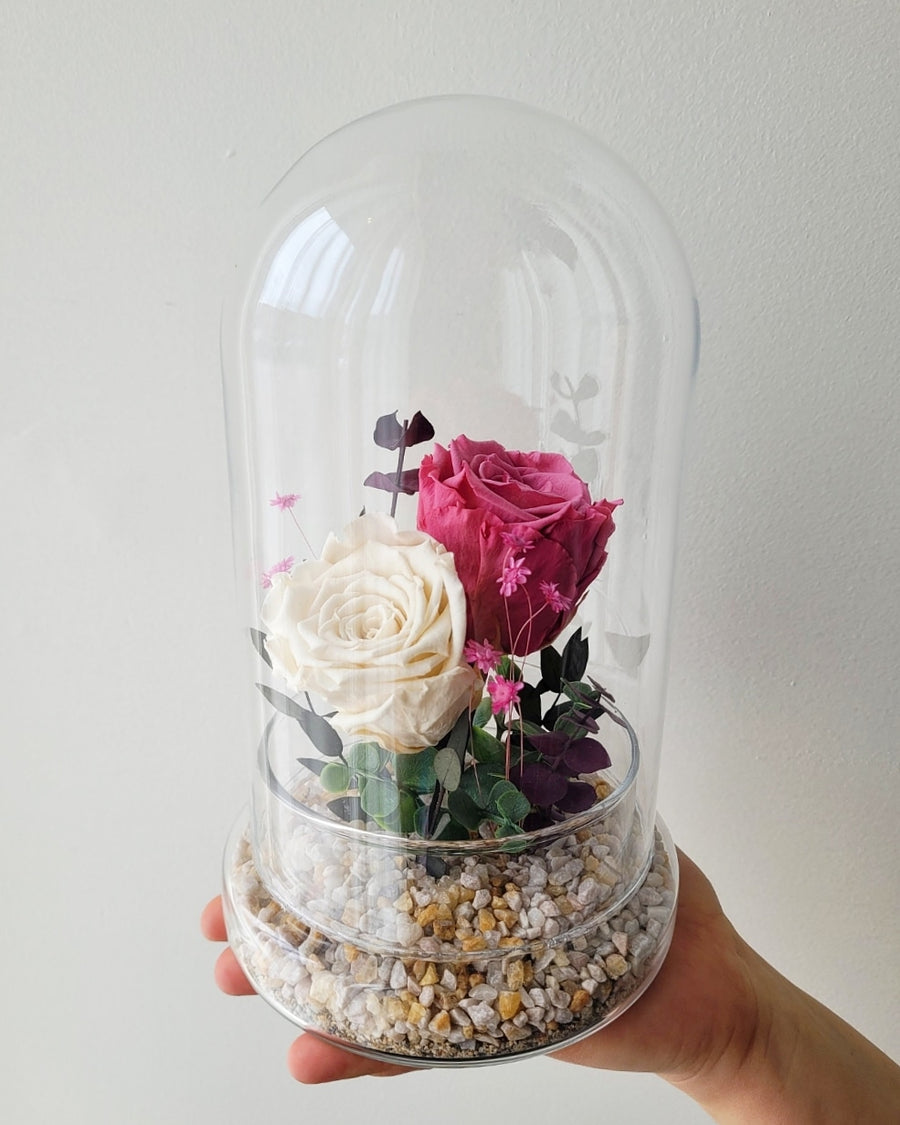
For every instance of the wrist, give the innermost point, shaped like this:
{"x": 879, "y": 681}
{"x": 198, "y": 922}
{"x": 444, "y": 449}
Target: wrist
{"x": 789, "y": 1059}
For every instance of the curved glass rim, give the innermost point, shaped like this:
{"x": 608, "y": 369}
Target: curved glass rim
{"x": 239, "y": 936}
{"x": 420, "y": 846}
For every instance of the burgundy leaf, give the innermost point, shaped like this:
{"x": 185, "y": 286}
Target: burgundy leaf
{"x": 553, "y": 744}
{"x": 388, "y": 431}
{"x": 578, "y": 798}
{"x": 586, "y": 722}
{"x": 585, "y": 755}
{"x": 418, "y": 430}
{"x": 601, "y": 690}
{"x": 409, "y": 482}
{"x": 540, "y": 784}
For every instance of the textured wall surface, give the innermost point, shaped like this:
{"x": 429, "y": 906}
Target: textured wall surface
{"x": 136, "y": 140}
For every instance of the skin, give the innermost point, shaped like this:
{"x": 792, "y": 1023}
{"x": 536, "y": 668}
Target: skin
{"x": 718, "y": 1022}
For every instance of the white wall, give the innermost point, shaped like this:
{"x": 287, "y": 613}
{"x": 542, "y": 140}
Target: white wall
{"x": 136, "y": 138}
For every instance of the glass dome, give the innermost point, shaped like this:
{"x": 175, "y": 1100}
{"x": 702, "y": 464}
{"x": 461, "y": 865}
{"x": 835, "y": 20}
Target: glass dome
{"x": 458, "y": 320}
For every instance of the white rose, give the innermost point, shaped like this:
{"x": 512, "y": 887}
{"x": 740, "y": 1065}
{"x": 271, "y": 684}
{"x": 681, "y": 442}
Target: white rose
{"x": 376, "y": 628}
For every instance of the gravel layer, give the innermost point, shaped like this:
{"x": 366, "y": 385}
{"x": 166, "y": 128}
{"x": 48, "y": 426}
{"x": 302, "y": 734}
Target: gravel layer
{"x": 495, "y": 957}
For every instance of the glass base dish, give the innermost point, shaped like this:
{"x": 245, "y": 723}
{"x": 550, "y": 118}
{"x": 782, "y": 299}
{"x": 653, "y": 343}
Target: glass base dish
{"x": 482, "y": 1002}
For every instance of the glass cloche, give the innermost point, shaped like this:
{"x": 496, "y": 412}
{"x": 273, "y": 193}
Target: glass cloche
{"x": 457, "y": 357}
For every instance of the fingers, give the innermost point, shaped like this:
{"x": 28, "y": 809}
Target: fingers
{"x": 230, "y": 976}
{"x": 312, "y": 1060}
{"x": 212, "y": 920}
{"x": 228, "y": 973}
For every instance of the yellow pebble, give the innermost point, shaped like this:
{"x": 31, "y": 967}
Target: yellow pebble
{"x": 427, "y": 914}
{"x": 579, "y": 1001}
{"x": 486, "y": 921}
{"x": 508, "y": 1003}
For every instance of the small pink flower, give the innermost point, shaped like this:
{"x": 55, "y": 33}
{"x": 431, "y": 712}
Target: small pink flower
{"x": 504, "y": 694}
{"x": 519, "y": 539}
{"x": 282, "y": 567}
{"x": 483, "y": 656}
{"x": 515, "y": 574}
{"x": 558, "y": 602}
{"x": 286, "y": 502}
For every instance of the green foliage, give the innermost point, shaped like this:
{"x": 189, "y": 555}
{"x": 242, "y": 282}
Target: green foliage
{"x": 415, "y": 772}
{"x": 484, "y": 771}
{"x": 335, "y": 777}
{"x": 447, "y": 768}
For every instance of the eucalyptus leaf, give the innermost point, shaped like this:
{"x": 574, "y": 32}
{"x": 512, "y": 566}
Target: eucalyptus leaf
{"x": 335, "y": 777}
{"x": 421, "y": 820}
{"x": 447, "y": 768}
{"x": 407, "y": 482}
{"x": 482, "y": 712}
{"x": 319, "y": 731}
{"x": 415, "y": 772}
{"x": 464, "y": 810}
{"x": 458, "y": 738}
{"x": 406, "y": 813}
{"x": 388, "y": 431}
{"x": 513, "y": 806}
{"x": 486, "y": 748}
{"x": 478, "y": 781}
{"x": 501, "y": 788}
{"x": 452, "y": 830}
{"x": 418, "y": 430}
{"x": 378, "y": 798}
{"x": 365, "y": 758}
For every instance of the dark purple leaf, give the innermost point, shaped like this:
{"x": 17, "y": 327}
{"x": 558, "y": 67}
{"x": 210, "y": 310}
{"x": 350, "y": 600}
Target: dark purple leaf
{"x": 551, "y": 745}
{"x": 540, "y": 784}
{"x": 578, "y": 798}
{"x": 418, "y": 430}
{"x": 408, "y": 484}
{"x": 601, "y": 690}
{"x": 388, "y": 432}
{"x": 585, "y": 755}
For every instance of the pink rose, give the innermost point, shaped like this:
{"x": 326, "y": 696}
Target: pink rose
{"x": 526, "y": 538}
